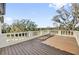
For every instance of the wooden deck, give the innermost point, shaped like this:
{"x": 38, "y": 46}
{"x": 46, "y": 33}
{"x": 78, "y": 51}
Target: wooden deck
{"x": 31, "y": 47}
{"x": 68, "y": 44}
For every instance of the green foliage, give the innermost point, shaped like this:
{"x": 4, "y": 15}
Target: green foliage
{"x": 19, "y": 26}
{"x": 63, "y": 18}
{"x": 5, "y": 28}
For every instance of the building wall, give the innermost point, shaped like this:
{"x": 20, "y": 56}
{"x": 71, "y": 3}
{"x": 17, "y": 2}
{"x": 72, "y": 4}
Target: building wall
{"x": 2, "y": 13}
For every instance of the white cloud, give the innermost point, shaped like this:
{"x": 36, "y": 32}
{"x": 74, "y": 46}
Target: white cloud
{"x": 57, "y": 5}
{"x": 8, "y": 20}
{"x": 51, "y": 5}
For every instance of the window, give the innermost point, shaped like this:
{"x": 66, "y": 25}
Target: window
{"x": 2, "y": 8}
{"x": 1, "y": 19}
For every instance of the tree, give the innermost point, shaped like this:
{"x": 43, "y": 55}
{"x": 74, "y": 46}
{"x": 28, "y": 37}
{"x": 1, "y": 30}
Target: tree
{"x": 19, "y": 26}
{"x": 22, "y": 25}
{"x": 66, "y": 19}
{"x": 31, "y": 25}
{"x": 75, "y": 13}
{"x": 5, "y": 28}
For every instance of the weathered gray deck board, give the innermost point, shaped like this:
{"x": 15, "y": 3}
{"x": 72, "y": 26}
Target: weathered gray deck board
{"x": 31, "y": 47}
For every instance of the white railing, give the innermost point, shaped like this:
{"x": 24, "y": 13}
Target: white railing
{"x": 70, "y": 33}
{"x": 76, "y": 35}
{"x": 62, "y": 32}
{"x": 13, "y": 38}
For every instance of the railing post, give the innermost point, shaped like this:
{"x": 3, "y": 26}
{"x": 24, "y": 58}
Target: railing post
{"x": 76, "y": 35}
{"x": 29, "y": 34}
{"x": 41, "y": 32}
{"x": 48, "y": 31}
{"x": 59, "y": 32}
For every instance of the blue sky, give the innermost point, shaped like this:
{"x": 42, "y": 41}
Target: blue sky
{"x": 40, "y": 13}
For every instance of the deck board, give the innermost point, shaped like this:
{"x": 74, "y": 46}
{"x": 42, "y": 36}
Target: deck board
{"x": 68, "y": 44}
{"x": 32, "y": 47}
